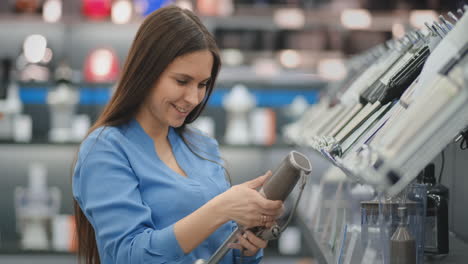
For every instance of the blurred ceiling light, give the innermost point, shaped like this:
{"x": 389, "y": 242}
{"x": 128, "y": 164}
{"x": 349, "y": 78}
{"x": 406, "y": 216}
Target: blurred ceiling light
{"x": 185, "y": 4}
{"x": 215, "y": 7}
{"x": 332, "y": 69}
{"x": 101, "y": 66}
{"x": 291, "y": 18}
{"x": 121, "y": 11}
{"x": 398, "y": 30}
{"x": 101, "y": 62}
{"x": 290, "y": 58}
{"x": 266, "y": 67}
{"x": 356, "y": 18}
{"x": 47, "y": 56}
{"x": 34, "y": 48}
{"x": 52, "y": 11}
{"x": 232, "y": 57}
{"x": 207, "y": 7}
{"x": 418, "y": 17}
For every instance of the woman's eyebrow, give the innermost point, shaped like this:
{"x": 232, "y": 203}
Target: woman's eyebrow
{"x": 189, "y": 77}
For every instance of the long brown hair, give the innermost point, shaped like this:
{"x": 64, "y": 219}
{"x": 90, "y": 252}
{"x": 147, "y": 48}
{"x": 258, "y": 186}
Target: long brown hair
{"x": 164, "y": 35}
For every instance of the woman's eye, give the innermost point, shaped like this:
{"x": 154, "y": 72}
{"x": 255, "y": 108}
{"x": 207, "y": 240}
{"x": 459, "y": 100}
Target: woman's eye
{"x": 182, "y": 82}
{"x": 205, "y": 84}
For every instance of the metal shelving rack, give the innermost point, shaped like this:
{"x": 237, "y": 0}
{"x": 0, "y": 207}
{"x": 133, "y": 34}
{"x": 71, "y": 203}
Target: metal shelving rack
{"x": 380, "y": 171}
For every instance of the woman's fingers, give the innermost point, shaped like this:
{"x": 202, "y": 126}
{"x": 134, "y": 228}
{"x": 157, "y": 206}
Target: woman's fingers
{"x": 268, "y": 207}
{"x": 259, "y": 181}
{"x": 261, "y": 215}
{"x": 275, "y": 213}
{"x": 245, "y": 243}
{"x": 250, "y": 208}
{"x": 264, "y": 220}
{"x": 249, "y": 242}
{"x": 256, "y": 241}
{"x": 269, "y": 204}
{"x": 244, "y": 251}
{"x": 270, "y": 224}
{"x": 235, "y": 246}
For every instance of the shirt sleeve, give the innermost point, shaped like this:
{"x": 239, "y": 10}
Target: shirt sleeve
{"x": 107, "y": 191}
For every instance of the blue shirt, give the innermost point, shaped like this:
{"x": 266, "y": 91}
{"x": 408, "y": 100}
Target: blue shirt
{"x": 133, "y": 199}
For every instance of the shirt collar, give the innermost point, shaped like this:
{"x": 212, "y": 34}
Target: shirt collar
{"x": 137, "y": 134}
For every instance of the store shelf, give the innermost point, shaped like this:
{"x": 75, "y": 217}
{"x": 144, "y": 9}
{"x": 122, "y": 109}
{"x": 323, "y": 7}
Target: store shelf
{"x": 17, "y": 251}
{"x": 38, "y": 259}
{"x": 274, "y": 97}
{"x": 76, "y": 33}
{"x": 378, "y": 153}
{"x": 319, "y": 251}
{"x": 458, "y": 252}
{"x": 246, "y": 17}
{"x": 458, "y": 248}
{"x": 281, "y": 78}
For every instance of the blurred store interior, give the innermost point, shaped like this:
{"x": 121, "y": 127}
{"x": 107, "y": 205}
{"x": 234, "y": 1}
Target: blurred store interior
{"x": 60, "y": 60}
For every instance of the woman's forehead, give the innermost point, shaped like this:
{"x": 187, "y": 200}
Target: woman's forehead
{"x": 197, "y": 64}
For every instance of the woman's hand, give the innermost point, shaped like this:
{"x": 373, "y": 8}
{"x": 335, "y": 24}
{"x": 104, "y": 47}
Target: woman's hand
{"x": 249, "y": 243}
{"x": 245, "y": 205}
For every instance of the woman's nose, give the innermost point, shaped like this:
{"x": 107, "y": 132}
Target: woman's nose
{"x": 191, "y": 95}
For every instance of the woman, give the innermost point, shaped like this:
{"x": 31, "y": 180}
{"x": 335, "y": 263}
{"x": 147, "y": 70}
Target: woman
{"x": 148, "y": 189}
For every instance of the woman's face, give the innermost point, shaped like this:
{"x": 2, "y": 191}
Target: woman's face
{"x": 180, "y": 88}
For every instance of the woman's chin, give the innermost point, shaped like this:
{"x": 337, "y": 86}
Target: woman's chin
{"x": 177, "y": 123}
